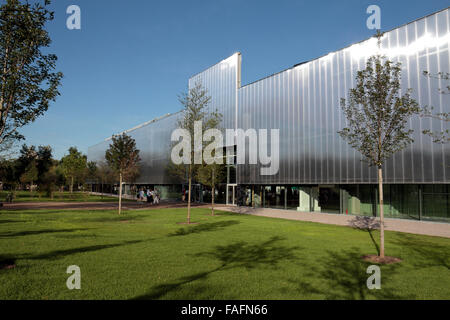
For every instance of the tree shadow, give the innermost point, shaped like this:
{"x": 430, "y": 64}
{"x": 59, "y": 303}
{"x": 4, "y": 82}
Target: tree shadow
{"x": 343, "y": 276}
{"x": 239, "y": 212}
{"x": 236, "y": 255}
{"x": 162, "y": 289}
{"x": 367, "y": 224}
{"x": 243, "y": 255}
{"x": 62, "y": 253}
{"x": 427, "y": 253}
{"x": 9, "y": 221}
{"x": 206, "y": 227}
{"x": 111, "y": 218}
{"x": 35, "y": 232}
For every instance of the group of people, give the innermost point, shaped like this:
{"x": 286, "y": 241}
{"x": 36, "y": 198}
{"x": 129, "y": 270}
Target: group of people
{"x": 151, "y": 196}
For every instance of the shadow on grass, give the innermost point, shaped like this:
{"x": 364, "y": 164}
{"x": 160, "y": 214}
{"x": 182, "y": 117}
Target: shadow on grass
{"x": 342, "y": 276}
{"x": 205, "y": 227}
{"x": 226, "y": 213}
{"x": 235, "y": 255}
{"x": 35, "y": 232}
{"x": 111, "y": 218}
{"x": 9, "y": 221}
{"x": 62, "y": 253}
{"x": 424, "y": 253}
{"x": 66, "y": 252}
{"x": 367, "y": 224}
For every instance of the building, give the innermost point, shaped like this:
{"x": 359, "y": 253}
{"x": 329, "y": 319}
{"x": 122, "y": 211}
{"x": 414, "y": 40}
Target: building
{"x": 318, "y": 171}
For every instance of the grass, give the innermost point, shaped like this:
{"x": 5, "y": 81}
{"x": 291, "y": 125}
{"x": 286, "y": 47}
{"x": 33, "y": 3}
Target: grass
{"x": 147, "y": 255}
{"x": 27, "y": 196}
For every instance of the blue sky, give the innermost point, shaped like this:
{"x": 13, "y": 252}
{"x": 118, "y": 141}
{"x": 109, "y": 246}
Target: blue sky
{"x": 132, "y": 58}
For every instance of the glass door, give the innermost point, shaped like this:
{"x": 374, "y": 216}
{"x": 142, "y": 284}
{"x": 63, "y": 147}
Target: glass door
{"x": 231, "y": 194}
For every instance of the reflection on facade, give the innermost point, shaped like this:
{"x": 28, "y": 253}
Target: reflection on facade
{"x": 318, "y": 170}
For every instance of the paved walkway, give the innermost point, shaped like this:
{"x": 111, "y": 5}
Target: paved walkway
{"x": 126, "y": 205}
{"x": 402, "y": 225}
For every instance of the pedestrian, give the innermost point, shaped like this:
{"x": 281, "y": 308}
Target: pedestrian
{"x": 149, "y": 196}
{"x": 155, "y": 197}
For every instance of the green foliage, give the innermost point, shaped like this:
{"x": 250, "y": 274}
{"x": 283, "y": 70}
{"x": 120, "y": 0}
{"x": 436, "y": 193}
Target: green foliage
{"x": 30, "y": 175}
{"x": 92, "y": 170}
{"x": 195, "y": 108}
{"x": 211, "y": 175}
{"x": 74, "y": 166}
{"x": 8, "y": 173}
{"x": 28, "y": 82}
{"x": 377, "y": 115}
{"x": 51, "y": 180}
{"x": 123, "y": 156}
{"x": 44, "y": 161}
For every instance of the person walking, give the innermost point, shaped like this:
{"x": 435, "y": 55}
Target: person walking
{"x": 149, "y": 196}
{"x": 155, "y": 197}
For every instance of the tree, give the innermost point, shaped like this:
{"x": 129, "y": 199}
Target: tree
{"x": 105, "y": 174}
{"x": 8, "y": 173}
{"x": 44, "y": 161}
{"x": 91, "y": 172}
{"x": 377, "y": 117}
{"x": 211, "y": 175}
{"x": 123, "y": 157}
{"x": 443, "y": 136}
{"x": 195, "y": 103}
{"x": 30, "y": 175}
{"x": 28, "y": 82}
{"x": 73, "y": 166}
{"x": 49, "y": 181}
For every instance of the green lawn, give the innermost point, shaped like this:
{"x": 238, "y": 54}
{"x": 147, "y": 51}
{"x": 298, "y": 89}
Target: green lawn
{"x": 146, "y": 254}
{"x": 25, "y": 196}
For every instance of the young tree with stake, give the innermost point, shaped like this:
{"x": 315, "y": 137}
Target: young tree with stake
{"x": 377, "y": 118}
{"x": 195, "y": 104}
{"x": 211, "y": 175}
{"x": 123, "y": 157}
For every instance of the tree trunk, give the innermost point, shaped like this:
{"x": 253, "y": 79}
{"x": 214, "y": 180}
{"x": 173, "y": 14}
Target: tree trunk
{"x": 212, "y": 202}
{"x": 189, "y": 195}
{"x": 120, "y": 193}
{"x": 380, "y": 191}
{"x": 71, "y": 184}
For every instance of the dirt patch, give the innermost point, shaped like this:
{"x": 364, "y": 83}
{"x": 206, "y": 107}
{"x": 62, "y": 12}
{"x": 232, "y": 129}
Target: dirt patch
{"x": 377, "y": 259}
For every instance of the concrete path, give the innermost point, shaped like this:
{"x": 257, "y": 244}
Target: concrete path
{"x": 126, "y": 205}
{"x": 402, "y": 225}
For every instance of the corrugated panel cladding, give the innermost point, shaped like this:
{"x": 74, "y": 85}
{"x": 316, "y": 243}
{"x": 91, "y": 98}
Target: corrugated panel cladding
{"x": 303, "y": 102}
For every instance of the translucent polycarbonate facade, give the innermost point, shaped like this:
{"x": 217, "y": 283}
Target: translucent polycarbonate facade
{"x": 153, "y": 141}
{"x": 222, "y": 82}
{"x": 304, "y": 103}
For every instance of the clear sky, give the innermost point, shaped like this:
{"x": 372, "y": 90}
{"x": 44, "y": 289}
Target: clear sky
{"x": 131, "y": 59}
